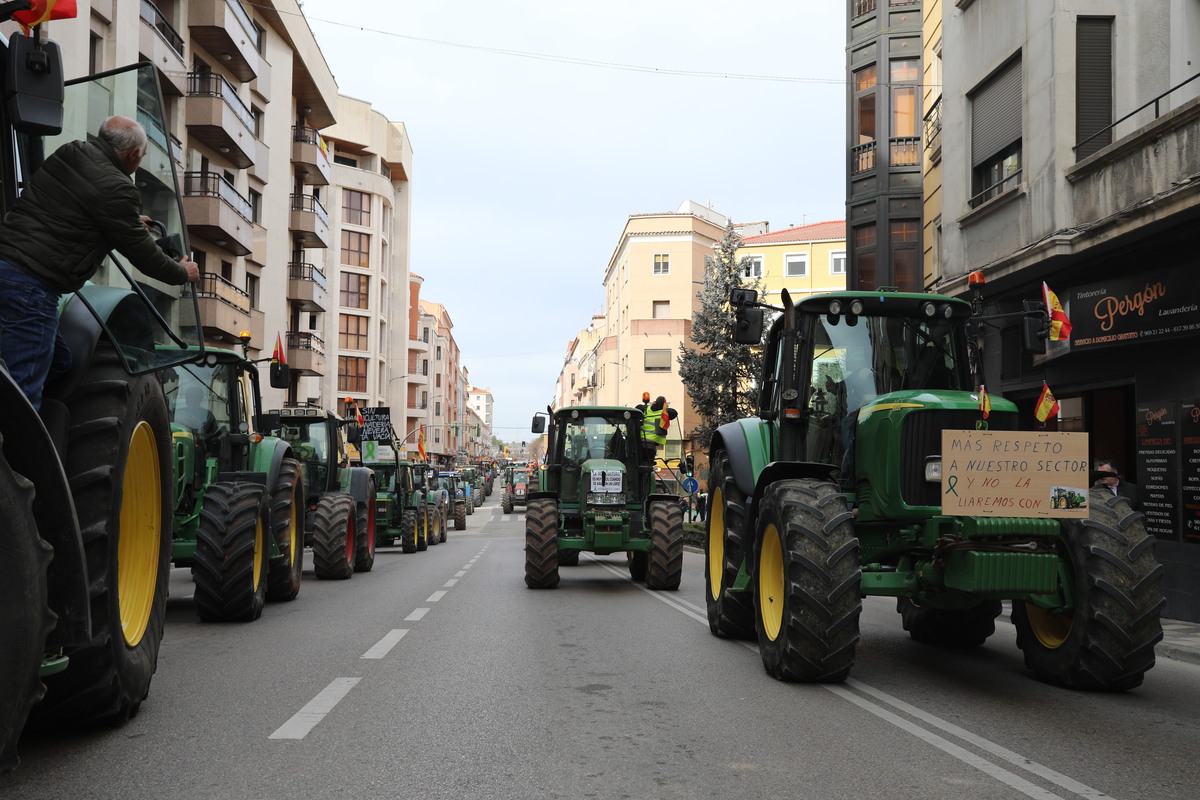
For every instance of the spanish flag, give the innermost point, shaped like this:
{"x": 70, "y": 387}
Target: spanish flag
{"x": 421, "y": 444}
{"x": 1060, "y": 326}
{"x": 985, "y": 402}
{"x": 280, "y": 355}
{"x": 44, "y": 10}
{"x": 358, "y": 417}
{"x": 1047, "y": 406}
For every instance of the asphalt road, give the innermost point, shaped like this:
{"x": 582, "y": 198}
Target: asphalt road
{"x": 439, "y": 675}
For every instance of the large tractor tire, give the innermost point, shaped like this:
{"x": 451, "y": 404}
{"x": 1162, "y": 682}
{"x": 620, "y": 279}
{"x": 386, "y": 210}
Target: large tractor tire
{"x": 1107, "y": 642}
{"x": 949, "y": 627}
{"x": 26, "y": 620}
{"x": 422, "y": 532}
{"x": 230, "y": 567}
{"x": 432, "y": 530}
{"x": 460, "y": 515}
{"x": 541, "y": 544}
{"x": 639, "y": 562}
{"x": 469, "y": 504}
{"x": 364, "y": 528}
{"x": 666, "y": 545}
{"x": 287, "y": 527}
{"x": 807, "y": 582}
{"x": 506, "y": 504}
{"x": 439, "y": 519}
{"x": 119, "y": 456}
{"x": 730, "y": 613}
{"x": 408, "y": 531}
{"x": 334, "y": 535}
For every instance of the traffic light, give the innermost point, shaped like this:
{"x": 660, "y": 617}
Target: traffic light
{"x": 689, "y": 465}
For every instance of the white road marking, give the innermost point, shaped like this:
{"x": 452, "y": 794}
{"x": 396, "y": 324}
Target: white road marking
{"x": 450, "y": 583}
{"x": 433, "y": 598}
{"x": 417, "y": 615}
{"x": 1010, "y": 779}
{"x": 384, "y": 645}
{"x": 460, "y": 573}
{"x": 307, "y": 718}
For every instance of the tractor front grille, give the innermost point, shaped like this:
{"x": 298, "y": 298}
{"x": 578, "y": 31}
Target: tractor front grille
{"x": 921, "y": 437}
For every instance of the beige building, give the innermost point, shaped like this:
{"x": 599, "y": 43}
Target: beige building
{"x": 805, "y": 260}
{"x": 370, "y": 224}
{"x": 650, "y": 291}
{"x": 931, "y": 105}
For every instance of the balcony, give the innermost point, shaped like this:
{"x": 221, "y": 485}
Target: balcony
{"x": 161, "y": 45}
{"x": 307, "y": 287}
{"x": 305, "y": 353}
{"x": 223, "y": 28}
{"x": 224, "y": 308}
{"x": 216, "y": 212}
{"x": 310, "y": 156}
{"x": 309, "y": 221}
{"x": 217, "y": 117}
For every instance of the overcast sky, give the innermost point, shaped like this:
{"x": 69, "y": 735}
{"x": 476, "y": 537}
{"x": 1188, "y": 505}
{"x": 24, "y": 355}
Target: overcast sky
{"x": 526, "y": 167}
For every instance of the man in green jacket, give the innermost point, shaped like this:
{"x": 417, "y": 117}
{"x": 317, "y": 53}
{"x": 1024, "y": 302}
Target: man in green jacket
{"x": 80, "y": 205}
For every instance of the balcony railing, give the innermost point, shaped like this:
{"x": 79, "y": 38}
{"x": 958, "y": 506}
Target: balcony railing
{"x": 216, "y": 287}
{"x": 307, "y": 202}
{"x": 154, "y": 18}
{"x": 933, "y": 122}
{"x": 1005, "y": 183}
{"x": 302, "y": 271}
{"x": 1156, "y": 102}
{"x": 862, "y": 158}
{"x": 303, "y": 133}
{"x": 905, "y": 151}
{"x": 863, "y": 7}
{"x": 303, "y": 340}
{"x": 211, "y": 184}
{"x": 210, "y": 84}
{"x": 244, "y": 20}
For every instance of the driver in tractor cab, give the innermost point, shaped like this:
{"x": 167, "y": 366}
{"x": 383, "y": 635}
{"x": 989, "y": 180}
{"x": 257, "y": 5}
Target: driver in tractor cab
{"x": 195, "y": 414}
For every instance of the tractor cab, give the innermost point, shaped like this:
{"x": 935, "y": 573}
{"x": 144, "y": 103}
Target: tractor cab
{"x": 316, "y": 438}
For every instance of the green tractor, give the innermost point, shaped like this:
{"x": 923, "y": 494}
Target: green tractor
{"x": 437, "y": 505}
{"x": 239, "y": 496}
{"x": 85, "y": 483}
{"x": 515, "y": 485}
{"x": 403, "y": 508}
{"x": 596, "y": 493}
{"x": 450, "y": 487}
{"x": 340, "y": 507}
{"x": 834, "y": 492}
{"x": 472, "y": 478}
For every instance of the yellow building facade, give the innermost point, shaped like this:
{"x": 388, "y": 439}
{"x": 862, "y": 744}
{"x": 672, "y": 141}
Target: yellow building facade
{"x": 807, "y": 259}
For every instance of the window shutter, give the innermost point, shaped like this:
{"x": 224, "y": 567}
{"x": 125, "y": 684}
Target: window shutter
{"x": 1093, "y": 83}
{"x": 996, "y": 114}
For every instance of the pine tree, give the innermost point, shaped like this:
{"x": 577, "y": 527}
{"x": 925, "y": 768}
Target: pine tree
{"x": 717, "y": 372}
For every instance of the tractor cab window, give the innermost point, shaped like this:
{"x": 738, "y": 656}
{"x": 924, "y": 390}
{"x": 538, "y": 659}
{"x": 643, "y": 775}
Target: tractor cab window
{"x": 200, "y": 398}
{"x": 310, "y": 442}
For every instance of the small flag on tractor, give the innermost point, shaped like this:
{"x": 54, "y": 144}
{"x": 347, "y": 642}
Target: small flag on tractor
{"x": 44, "y": 10}
{"x": 985, "y": 402}
{"x": 358, "y": 417}
{"x": 1060, "y": 325}
{"x": 421, "y": 444}
{"x": 280, "y": 355}
{"x": 1047, "y": 405}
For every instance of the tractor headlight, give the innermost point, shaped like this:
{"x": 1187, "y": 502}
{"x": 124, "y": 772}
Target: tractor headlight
{"x": 606, "y": 498}
{"x": 933, "y": 469}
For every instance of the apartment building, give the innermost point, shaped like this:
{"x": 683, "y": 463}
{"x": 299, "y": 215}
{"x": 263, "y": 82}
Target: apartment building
{"x": 1067, "y": 158}
{"x": 577, "y": 383}
{"x": 440, "y": 364}
{"x": 481, "y": 402}
{"x": 370, "y": 217}
{"x": 806, "y": 259}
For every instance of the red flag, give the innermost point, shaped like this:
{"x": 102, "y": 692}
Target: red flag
{"x": 358, "y": 417}
{"x": 1060, "y": 325}
{"x": 280, "y": 355}
{"x": 985, "y": 402}
{"x": 1047, "y": 405}
{"x": 421, "y": 444}
{"x": 44, "y": 10}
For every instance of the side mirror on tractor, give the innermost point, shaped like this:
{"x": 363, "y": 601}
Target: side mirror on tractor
{"x": 539, "y": 424}
{"x": 280, "y": 375}
{"x": 748, "y": 326}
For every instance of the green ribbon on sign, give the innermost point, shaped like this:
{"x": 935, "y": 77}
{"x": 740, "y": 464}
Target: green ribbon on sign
{"x": 951, "y": 482}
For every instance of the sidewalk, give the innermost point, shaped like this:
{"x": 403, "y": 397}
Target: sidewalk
{"x": 1181, "y": 641}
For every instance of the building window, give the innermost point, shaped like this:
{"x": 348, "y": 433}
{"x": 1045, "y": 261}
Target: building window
{"x": 658, "y": 360}
{"x": 864, "y": 257}
{"x": 252, "y": 289}
{"x": 352, "y": 332}
{"x": 424, "y": 366}
{"x": 662, "y": 309}
{"x": 437, "y": 408}
{"x": 354, "y": 290}
{"x": 752, "y": 267}
{"x": 837, "y": 262}
{"x": 863, "y": 154}
{"x": 905, "y": 236}
{"x": 425, "y": 335}
{"x": 438, "y": 352}
{"x": 795, "y": 265}
{"x": 352, "y": 374}
{"x": 356, "y": 249}
{"x": 356, "y": 207}
{"x": 255, "y": 206}
{"x": 345, "y": 161}
{"x": 662, "y": 264}
{"x": 996, "y": 134}
{"x": 1093, "y": 84}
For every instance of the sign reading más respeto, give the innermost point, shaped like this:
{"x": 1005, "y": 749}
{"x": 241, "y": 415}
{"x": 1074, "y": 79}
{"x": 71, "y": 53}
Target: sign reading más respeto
{"x": 1150, "y": 305}
{"x": 1014, "y": 474}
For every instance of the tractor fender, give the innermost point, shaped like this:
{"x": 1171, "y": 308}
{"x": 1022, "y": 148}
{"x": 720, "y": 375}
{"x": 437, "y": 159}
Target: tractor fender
{"x": 267, "y": 456}
{"x": 357, "y": 483}
{"x": 30, "y": 451}
{"x": 731, "y": 438}
{"x": 81, "y": 330}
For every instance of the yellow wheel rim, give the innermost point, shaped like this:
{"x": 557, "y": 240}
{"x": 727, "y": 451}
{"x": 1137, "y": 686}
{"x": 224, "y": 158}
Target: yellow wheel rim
{"x": 1051, "y": 630}
{"x": 141, "y": 534}
{"x": 293, "y": 532}
{"x": 716, "y": 544}
{"x": 770, "y": 582}
{"x": 260, "y": 547}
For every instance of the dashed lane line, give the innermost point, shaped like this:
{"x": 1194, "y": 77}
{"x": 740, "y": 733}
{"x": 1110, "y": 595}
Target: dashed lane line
{"x": 385, "y": 645}
{"x": 433, "y": 598}
{"x": 315, "y": 710}
{"x": 416, "y": 615}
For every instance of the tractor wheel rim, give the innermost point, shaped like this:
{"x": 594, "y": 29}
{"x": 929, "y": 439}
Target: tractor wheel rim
{"x": 770, "y": 582}
{"x": 260, "y": 546}
{"x": 140, "y": 537}
{"x": 293, "y": 533}
{"x": 716, "y": 544}
{"x": 350, "y": 540}
{"x": 1051, "y": 630}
